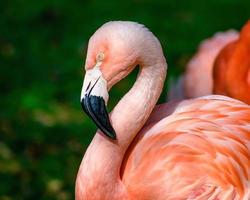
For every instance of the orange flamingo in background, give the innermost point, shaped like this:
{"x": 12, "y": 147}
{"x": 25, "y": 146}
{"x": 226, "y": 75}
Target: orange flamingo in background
{"x": 232, "y": 68}
{"x": 198, "y": 79}
{"x": 193, "y": 149}
{"x": 221, "y": 66}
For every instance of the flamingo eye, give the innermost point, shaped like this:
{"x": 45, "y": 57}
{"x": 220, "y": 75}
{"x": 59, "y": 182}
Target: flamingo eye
{"x": 100, "y": 57}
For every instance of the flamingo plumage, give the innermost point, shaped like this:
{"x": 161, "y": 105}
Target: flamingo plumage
{"x": 192, "y": 149}
{"x": 220, "y": 66}
{"x": 198, "y": 78}
{"x": 232, "y": 68}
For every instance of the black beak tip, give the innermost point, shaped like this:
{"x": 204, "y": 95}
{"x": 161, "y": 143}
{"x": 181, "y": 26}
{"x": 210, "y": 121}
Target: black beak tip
{"x": 111, "y": 133}
{"x": 95, "y": 108}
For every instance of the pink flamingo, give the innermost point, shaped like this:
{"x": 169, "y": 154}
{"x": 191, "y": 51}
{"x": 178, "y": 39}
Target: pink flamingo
{"x": 198, "y": 78}
{"x": 221, "y": 66}
{"x": 193, "y": 149}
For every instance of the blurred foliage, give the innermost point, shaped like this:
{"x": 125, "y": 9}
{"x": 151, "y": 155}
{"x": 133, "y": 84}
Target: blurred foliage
{"x": 42, "y": 49}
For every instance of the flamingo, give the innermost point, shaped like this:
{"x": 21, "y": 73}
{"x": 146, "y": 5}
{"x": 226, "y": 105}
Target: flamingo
{"x": 192, "y": 149}
{"x": 232, "y": 68}
{"x": 198, "y": 79}
{"x": 221, "y": 66}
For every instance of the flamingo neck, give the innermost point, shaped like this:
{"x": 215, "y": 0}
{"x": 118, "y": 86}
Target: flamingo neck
{"x": 100, "y": 167}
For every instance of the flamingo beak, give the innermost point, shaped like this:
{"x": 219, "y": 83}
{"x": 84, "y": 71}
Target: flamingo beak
{"x": 94, "y": 98}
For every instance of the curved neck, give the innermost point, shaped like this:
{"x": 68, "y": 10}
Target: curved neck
{"x": 134, "y": 108}
{"x": 101, "y": 164}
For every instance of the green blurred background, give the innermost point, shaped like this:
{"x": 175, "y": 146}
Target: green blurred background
{"x": 43, "y": 132}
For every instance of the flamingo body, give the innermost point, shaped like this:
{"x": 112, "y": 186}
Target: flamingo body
{"x": 200, "y": 150}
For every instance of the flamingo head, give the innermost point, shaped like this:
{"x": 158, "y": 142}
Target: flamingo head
{"x": 113, "y": 52}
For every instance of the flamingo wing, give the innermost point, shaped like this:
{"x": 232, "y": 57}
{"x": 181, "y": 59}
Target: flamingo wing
{"x": 199, "y": 150}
